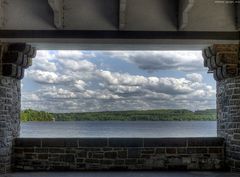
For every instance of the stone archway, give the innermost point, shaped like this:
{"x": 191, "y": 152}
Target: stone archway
{"x": 222, "y": 61}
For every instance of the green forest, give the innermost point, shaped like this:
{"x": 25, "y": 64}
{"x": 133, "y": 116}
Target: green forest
{"x": 32, "y": 115}
{"x": 144, "y": 115}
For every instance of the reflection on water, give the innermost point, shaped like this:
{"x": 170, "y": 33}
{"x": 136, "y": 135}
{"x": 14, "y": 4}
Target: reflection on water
{"x": 120, "y": 129}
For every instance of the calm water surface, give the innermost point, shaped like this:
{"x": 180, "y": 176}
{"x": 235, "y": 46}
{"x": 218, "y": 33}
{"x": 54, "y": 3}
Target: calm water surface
{"x": 119, "y": 129}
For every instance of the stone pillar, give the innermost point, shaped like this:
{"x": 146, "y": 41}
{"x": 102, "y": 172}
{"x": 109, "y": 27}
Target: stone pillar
{"x": 9, "y": 119}
{"x": 224, "y": 62}
{"x": 14, "y": 59}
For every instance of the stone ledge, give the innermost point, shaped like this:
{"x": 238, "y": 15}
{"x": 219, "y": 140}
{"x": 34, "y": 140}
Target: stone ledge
{"x": 205, "y": 142}
{"x": 165, "y": 142}
{"x": 28, "y": 142}
{"x": 37, "y": 154}
{"x": 125, "y": 142}
{"x": 119, "y": 142}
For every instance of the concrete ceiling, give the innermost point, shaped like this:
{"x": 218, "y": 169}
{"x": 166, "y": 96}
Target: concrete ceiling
{"x": 140, "y": 15}
{"x": 43, "y": 21}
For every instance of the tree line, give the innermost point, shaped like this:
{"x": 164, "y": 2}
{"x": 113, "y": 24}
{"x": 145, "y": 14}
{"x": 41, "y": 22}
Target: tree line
{"x": 143, "y": 115}
{"x": 33, "y": 115}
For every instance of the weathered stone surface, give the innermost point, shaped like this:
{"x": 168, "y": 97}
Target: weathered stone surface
{"x": 29, "y": 142}
{"x": 167, "y": 153}
{"x": 10, "y": 98}
{"x": 93, "y": 142}
{"x": 9, "y": 119}
{"x": 228, "y": 117}
{"x": 226, "y": 71}
{"x": 165, "y": 142}
{"x": 204, "y": 142}
{"x": 125, "y": 142}
{"x": 222, "y": 60}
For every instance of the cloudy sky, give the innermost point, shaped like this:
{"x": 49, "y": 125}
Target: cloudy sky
{"x": 82, "y": 81}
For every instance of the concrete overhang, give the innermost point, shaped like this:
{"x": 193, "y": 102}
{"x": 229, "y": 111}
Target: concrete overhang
{"x": 119, "y": 24}
{"x": 115, "y": 40}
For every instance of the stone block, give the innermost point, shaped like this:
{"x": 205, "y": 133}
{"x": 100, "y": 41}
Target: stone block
{"x": 171, "y": 150}
{"x": 110, "y": 155}
{"x": 29, "y": 150}
{"x": 193, "y": 142}
{"x": 92, "y": 160}
{"x": 215, "y": 150}
{"x": 41, "y": 150}
{"x": 56, "y": 150}
{"x": 147, "y": 151}
{"x": 130, "y": 161}
{"x": 125, "y": 142}
{"x": 134, "y": 152}
{"x": 28, "y": 142}
{"x": 71, "y": 142}
{"x": 181, "y": 150}
{"x": 98, "y": 155}
{"x": 42, "y": 156}
{"x": 165, "y": 142}
{"x": 106, "y": 162}
{"x": 160, "y": 150}
{"x": 119, "y": 162}
{"x": 197, "y": 150}
{"x": 93, "y": 142}
{"x": 53, "y": 142}
{"x": 237, "y": 164}
{"x": 69, "y": 158}
{"x": 235, "y": 155}
{"x": 4, "y": 151}
{"x": 82, "y": 154}
{"x": 122, "y": 154}
{"x": 3, "y": 133}
{"x": 3, "y": 92}
{"x": 236, "y": 136}
{"x": 30, "y": 156}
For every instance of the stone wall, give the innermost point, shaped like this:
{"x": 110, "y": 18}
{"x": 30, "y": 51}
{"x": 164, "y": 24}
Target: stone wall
{"x": 228, "y": 106}
{"x": 119, "y": 154}
{"x": 9, "y": 119}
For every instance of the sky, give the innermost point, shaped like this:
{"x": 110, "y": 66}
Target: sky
{"x": 92, "y": 81}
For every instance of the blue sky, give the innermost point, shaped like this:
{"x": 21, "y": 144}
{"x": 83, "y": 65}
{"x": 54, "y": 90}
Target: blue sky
{"x": 82, "y": 81}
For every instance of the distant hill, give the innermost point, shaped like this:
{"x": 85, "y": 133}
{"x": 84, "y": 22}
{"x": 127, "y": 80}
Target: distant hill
{"x": 33, "y": 115}
{"x": 146, "y": 115}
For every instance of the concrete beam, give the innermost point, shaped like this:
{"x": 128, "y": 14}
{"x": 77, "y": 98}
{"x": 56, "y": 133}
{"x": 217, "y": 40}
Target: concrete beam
{"x": 119, "y": 40}
{"x": 184, "y": 8}
{"x": 57, "y": 7}
{"x": 2, "y": 15}
{"x": 237, "y": 10}
{"x": 122, "y": 14}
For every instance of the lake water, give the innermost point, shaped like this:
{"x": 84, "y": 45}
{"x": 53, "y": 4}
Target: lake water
{"x": 120, "y": 129}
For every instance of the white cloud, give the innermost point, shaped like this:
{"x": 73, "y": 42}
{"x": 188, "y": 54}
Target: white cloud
{"x": 187, "y": 61}
{"x": 56, "y": 93}
{"x": 74, "y": 65}
{"x": 73, "y": 55}
{"x": 164, "y": 84}
{"x": 79, "y": 84}
{"x": 47, "y": 77}
{"x": 123, "y": 79}
{"x": 195, "y": 77}
{"x": 29, "y": 97}
{"x": 44, "y": 61}
{"x": 69, "y": 81}
{"x": 44, "y": 55}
